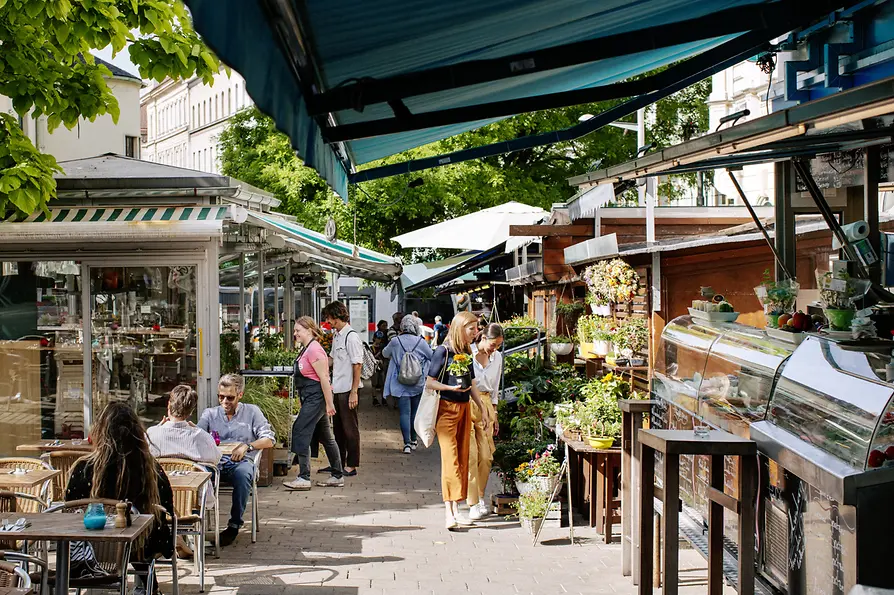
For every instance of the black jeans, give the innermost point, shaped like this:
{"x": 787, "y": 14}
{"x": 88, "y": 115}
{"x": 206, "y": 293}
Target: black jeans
{"x": 312, "y": 420}
{"x": 347, "y": 430}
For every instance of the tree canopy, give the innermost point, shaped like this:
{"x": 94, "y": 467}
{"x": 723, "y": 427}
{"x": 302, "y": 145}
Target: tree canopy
{"x": 46, "y": 69}
{"x": 254, "y": 151}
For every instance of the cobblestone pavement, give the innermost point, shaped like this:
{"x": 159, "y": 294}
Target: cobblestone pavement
{"x": 383, "y": 533}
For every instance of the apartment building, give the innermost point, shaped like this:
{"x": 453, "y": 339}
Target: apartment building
{"x": 184, "y": 119}
{"x": 89, "y": 139}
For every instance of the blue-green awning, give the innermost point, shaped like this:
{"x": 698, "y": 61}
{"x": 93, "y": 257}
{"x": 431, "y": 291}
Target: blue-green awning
{"x": 292, "y": 52}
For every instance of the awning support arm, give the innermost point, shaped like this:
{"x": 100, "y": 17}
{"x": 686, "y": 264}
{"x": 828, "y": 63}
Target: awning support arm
{"x": 816, "y": 194}
{"x": 759, "y": 225}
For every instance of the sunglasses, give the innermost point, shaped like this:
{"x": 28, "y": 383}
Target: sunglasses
{"x": 226, "y": 397}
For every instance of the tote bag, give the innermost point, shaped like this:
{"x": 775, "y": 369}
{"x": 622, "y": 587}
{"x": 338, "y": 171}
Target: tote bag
{"x": 427, "y": 414}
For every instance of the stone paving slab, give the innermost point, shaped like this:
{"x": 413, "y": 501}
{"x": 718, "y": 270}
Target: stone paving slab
{"x": 383, "y": 533}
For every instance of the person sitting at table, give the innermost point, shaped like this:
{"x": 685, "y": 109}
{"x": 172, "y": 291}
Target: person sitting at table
{"x": 122, "y": 468}
{"x": 243, "y": 423}
{"x": 177, "y": 437}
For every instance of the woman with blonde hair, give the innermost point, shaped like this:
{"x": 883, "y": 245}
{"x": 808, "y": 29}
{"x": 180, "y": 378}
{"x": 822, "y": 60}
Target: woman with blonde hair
{"x": 311, "y": 376}
{"x": 454, "y": 422}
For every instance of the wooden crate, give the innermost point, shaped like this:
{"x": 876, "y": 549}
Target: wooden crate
{"x": 504, "y": 505}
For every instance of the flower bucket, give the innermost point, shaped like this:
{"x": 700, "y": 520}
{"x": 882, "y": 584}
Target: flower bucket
{"x": 532, "y": 525}
{"x": 839, "y": 319}
{"x": 544, "y": 484}
{"x": 524, "y": 487}
{"x": 604, "y": 310}
{"x": 601, "y": 348}
{"x": 600, "y": 442}
{"x": 561, "y": 348}
{"x": 587, "y": 350}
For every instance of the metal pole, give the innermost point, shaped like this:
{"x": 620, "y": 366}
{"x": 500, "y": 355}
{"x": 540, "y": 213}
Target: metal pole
{"x": 262, "y": 316}
{"x": 288, "y": 306}
{"x": 759, "y": 225}
{"x": 242, "y": 311}
{"x": 276, "y": 312}
{"x": 641, "y": 142}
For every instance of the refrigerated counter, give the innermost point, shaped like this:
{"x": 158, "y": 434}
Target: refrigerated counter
{"x": 822, "y": 416}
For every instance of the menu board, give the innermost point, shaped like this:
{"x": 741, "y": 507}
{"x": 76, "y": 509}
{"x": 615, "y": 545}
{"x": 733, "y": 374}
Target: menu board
{"x": 829, "y": 542}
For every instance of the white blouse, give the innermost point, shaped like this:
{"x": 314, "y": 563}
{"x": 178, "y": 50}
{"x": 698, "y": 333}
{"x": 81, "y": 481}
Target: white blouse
{"x": 488, "y": 376}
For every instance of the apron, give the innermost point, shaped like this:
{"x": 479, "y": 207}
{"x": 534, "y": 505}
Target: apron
{"x": 307, "y": 388}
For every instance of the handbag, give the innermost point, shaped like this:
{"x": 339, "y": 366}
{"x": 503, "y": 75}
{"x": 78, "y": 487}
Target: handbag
{"x": 427, "y": 414}
{"x": 369, "y": 364}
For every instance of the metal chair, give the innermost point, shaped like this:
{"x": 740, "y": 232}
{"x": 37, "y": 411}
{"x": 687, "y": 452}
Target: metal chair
{"x": 14, "y": 577}
{"x": 31, "y": 499}
{"x": 254, "y": 494}
{"x": 41, "y": 576}
{"x": 114, "y": 558}
{"x": 186, "y": 505}
{"x": 171, "y": 518}
{"x": 63, "y": 460}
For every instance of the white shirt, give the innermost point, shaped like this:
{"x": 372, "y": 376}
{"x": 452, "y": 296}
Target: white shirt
{"x": 347, "y": 350}
{"x": 488, "y": 376}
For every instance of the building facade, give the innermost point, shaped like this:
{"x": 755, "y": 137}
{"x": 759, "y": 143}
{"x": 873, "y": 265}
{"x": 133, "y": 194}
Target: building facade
{"x": 184, "y": 119}
{"x": 89, "y": 139}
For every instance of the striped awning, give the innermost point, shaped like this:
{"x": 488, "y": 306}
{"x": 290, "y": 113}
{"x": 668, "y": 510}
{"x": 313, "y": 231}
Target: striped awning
{"x": 132, "y": 214}
{"x": 73, "y": 224}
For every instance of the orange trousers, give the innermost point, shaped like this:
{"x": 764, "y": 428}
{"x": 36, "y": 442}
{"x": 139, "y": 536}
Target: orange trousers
{"x": 453, "y": 427}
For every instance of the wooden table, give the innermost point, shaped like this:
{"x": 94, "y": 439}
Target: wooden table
{"x": 32, "y": 478}
{"x": 63, "y": 528}
{"x": 715, "y": 444}
{"x": 191, "y": 481}
{"x": 14, "y": 591}
{"x": 227, "y": 448}
{"x": 591, "y": 472}
{"x": 194, "y": 481}
{"x": 632, "y": 412}
{"x": 52, "y": 445}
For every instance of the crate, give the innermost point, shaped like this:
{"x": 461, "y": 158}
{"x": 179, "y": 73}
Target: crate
{"x": 503, "y": 504}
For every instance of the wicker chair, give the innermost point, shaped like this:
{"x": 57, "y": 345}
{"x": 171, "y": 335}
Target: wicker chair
{"x": 14, "y": 577}
{"x": 190, "y": 509}
{"x": 30, "y": 499}
{"x": 114, "y": 558}
{"x": 63, "y": 460}
{"x": 41, "y": 576}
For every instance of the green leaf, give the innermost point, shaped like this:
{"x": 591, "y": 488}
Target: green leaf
{"x": 62, "y": 32}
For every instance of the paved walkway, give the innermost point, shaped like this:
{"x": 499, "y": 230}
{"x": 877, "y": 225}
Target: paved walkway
{"x": 383, "y": 533}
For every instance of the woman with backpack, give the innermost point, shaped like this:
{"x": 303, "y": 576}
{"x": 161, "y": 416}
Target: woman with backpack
{"x": 408, "y": 357}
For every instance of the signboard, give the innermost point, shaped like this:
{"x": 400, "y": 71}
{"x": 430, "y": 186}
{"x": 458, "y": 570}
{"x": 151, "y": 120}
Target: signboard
{"x": 358, "y": 309}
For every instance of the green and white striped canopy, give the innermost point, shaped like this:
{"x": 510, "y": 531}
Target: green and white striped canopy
{"x": 132, "y": 214}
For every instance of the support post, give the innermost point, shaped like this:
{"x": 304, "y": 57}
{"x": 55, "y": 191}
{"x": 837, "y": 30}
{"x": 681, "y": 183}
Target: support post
{"x": 262, "y": 314}
{"x": 242, "y": 311}
{"x": 288, "y": 306}
{"x": 651, "y": 200}
{"x": 785, "y": 219}
{"x": 276, "y": 311}
{"x": 871, "y": 177}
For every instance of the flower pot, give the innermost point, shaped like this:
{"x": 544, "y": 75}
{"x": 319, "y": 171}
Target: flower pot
{"x": 839, "y": 319}
{"x": 524, "y": 487}
{"x": 561, "y": 348}
{"x": 601, "y": 348}
{"x": 544, "y": 484}
{"x": 532, "y": 525}
{"x": 461, "y": 382}
{"x": 604, "y": 310}
{"x": 587, "y": 350}
{"x": 601, "y": 442}
{"x": 637, "y": 361}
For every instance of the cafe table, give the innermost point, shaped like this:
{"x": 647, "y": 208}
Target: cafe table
{"x": 227, "y": 448}
{"x": 17, "y": 482}
{"x": 192, "y": 483}
{"x": 50, "y": 445}
{"x": 15, "y": 591}
{"x": 63, "y": 528}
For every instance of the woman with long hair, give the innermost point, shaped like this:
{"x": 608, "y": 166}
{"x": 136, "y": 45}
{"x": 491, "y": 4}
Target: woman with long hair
{"x": 454, "y": 422}
{"x": 122, "y": 468}
{"x": 488, "y": 363}
{"x": 311, "y": 375}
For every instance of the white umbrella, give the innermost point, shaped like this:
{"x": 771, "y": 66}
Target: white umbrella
{"x": 477, "y": 231}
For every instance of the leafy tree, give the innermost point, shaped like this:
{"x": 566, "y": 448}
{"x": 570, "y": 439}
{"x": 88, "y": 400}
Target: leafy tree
{"x": 254, "y": 151}
{"x": 46, "y": 68}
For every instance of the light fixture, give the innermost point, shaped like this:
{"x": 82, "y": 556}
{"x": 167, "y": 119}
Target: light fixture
{"x": 849, "y": 116}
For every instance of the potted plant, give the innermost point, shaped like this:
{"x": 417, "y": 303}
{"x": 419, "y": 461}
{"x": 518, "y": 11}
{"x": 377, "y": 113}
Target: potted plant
{"x": 603, "y": 332}
{"x": 838, "y": 292}
{"x": 460, "y": 373}
{"x": 777, "y": 297}
{"x": 585, "y": 326}
{"x": 632, "y": 337}
{"x": 532, "y": 509}
{"x": 570, "y": 312}
{"x": 598, "y": 305}
{"x": 539, "y": 473}
{"x": 562, "y": 345}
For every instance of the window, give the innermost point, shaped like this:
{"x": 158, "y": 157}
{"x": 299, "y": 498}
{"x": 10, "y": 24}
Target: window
{"x": 237, "y": 98}
{"x": 229, "y": 101}
{"x": 132, "y": 146}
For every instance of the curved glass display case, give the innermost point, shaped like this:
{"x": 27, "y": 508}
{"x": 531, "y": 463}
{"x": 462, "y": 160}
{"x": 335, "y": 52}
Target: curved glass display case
{"x": 680, "y": 361}
{"x": 835, "y": 399}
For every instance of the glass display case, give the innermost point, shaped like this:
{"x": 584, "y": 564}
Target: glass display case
{"x": 835, "y": 398}
{"x": 680, "y": 361}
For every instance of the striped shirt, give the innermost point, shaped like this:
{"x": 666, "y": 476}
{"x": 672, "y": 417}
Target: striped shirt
{"x": 179, "y": 439}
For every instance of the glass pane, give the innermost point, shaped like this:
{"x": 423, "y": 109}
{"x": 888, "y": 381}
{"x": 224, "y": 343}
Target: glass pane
{"x": 144, "y": 335}
{"x": 829, "y": 396}
{"x": 738, "y": 378}
{"x": 680, "y": 361}
{"x": 41, "y": 353}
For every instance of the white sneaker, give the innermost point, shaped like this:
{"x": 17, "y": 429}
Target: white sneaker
{"x": 463, "y": 520}
{"x": 414, "y": 444}
{"x": 450, "y": 521}
{"x": 298, "y": 484}
{"x": 407, "y": 449}
{"x": 332, "y": 482}
{"x": 483, "y": 509}
{"x": 475, "y": 512}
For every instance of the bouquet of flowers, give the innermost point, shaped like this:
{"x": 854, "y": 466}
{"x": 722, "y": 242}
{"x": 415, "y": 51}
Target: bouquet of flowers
{"x": 460, "y": 365}
{"x": 611, "y": 281}
{"x": 326, "y": 342}
{"x": 541, "y": 465}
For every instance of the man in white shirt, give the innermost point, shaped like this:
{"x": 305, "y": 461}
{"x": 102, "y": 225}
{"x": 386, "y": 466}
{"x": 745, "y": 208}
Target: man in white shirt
{"x": 347, "y": 360}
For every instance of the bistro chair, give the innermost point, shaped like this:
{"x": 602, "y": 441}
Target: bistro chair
{"x": 218, "y": 487}
{"x": 30, "y": 499}
{"x": 14, "y": 577}
{"x": 114, "y": 558}
{"x": 171, "y": 519}
{"x": 63, "y": 460}
{"x": 190, "y": 509}
{"x": 41, "y": 576}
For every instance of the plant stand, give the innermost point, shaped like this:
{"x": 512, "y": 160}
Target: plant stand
{"x": 563, "y": 471}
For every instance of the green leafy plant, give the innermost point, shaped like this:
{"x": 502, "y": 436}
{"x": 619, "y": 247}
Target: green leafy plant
{"x": 542, "y": 464}
{"x": 632, "y": 333}
{"x": 520, "y": 330}
{"x": 777, "y": 297}
{"x": 275, "y": 409}
{"x": 46, "y": 69}
{"x": 272, "y": 357}
{"x": 533, "y": 505}
{"x": 561, "y": 339}
{"x": 229, "y": 353}
{"x": 509, "y": 454}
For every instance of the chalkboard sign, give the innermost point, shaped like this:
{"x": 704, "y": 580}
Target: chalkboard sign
{"x": 843, "y": 169}
{"x": 828, "y": 544}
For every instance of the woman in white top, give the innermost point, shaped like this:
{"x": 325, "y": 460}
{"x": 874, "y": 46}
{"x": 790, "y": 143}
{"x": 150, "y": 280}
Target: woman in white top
{"x": 488, "y": 363}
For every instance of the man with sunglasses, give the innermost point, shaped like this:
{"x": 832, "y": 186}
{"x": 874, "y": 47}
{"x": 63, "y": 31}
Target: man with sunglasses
{"x": 245, "y": 424}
